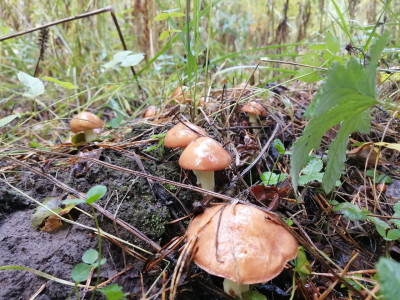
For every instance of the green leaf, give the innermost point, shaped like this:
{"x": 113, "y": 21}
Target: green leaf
{"x": 253, "y": 295}
{"x": 270, "y": 178}
{"x": 33, "y": 85}
{"x": 166, "y": 33}
{"x": 90, "y": 256}
{"x": 351, "y": 211}
{"x": 389, "y": 278}
{"x": 132, "y": 60}
{"x": 279, "y": 146}
{"x": 64, "y": 84}
{"x": 165, "y": 15}
{"x": 343, "y": 99}
{"x": 396, "y": 214}
{"x": 99, "y": 263}
{"x": 80, "y": 272}
{"x": 332, "y": 43}
{"x": 113, "y": 292}
{"x": 125, "y": 59}
{"x": 95, "y": 193}
{"x": 303, "y": 266}
{"x": 379, "y": 177}
{"x": 4, "y": 121}
{"x": 311, "y": 172}
{"x": 73, "y": 201}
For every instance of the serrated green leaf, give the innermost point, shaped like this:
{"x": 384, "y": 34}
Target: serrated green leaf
{"x": 4, "y": 121}
{"x": 80, "y": 272}
{"x": 345, "y": 96}
{"x": 90, "y": 256}
{"x": 64, "y": 84}
{"x": 270, "y": 178}
{"x": 314, "y": 166}
{"x": 33, "y": 85}
{"x": 113, "y": 292}
{"x": 389, "y": 278}
{"x": 351, "y": 211}
{"x": 332, "y": 43}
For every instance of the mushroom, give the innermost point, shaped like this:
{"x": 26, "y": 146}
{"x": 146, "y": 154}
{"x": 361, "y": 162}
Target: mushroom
{"x": 182, "y": 134}
{"x": 204, "y": 156}
{"x": 151, "y": 111}
{"x": 254, "y": 109}
{"x": 86, "y": 122}
{"x": 241, "y": 243}
{"x": 182, "y": 95}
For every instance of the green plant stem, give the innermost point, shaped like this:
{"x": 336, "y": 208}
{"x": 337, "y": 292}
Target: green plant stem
{"x": 96, "y": 221}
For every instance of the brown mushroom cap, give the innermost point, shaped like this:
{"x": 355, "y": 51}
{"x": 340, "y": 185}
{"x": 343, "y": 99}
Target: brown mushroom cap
{"x": 182, "y": 134}
{"x": 204, "y": 154}
{"x": 151, "y": 111}
{"x": 254, "y": 108}
{"x": 182, "y": 94}
{"x": 245, "y": 244}
{"x": 85, "y": 121}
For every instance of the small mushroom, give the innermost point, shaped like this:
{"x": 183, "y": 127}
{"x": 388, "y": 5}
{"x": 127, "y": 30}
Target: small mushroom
{"x": 182, "y": 134}
{"x": 366, "y": 154}
{"x": 182, "y": 95}
{"x": 204, "y": 156}
{"x": 86, "y": 122}
{"x": 241, "y": 243}
{"x": 151, "y": 111}
{"x": 255, "y": 110}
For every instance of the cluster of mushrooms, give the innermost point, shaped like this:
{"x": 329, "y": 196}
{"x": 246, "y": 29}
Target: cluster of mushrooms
{"x": 241, "y": 243}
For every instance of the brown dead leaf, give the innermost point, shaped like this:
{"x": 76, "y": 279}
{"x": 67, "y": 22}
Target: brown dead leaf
{"x": 52, "y": 224}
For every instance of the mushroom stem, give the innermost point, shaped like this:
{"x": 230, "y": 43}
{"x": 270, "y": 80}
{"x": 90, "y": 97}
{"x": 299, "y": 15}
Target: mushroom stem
{"x": 90, "y": 135}
{"x": 235, "y": 289}
{"x": 254, "y": 122}
{"x": 206, "y": 179}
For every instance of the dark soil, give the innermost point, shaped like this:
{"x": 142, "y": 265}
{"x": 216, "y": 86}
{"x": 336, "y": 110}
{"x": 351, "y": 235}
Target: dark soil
{"x": 147, "y": 207}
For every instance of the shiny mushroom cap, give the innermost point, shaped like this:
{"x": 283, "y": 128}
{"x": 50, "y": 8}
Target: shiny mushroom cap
{"x": 241, "y": 242}
{"x": 204, "y": 154}
{"x": 182, "y": 134}
{"x": 85, "y": 121}
{"x": 254, "y": 108}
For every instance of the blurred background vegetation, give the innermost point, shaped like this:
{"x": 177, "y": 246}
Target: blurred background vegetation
{"x": 232, "y": 36}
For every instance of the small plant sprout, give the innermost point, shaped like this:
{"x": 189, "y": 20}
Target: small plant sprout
{"x": 254, "y": 110}
{"x": 88, "y": 123}
{"x": 204, "y": 156}
{"x": 182, "y": 134}
{"x": 241, "y": 243}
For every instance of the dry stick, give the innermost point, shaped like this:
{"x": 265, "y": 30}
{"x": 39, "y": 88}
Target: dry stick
{"x": 342, "y": 274}
{"x": 267, "y": 144}
{"x": 109, "y": 9}
{"x": 136, "y": 232}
